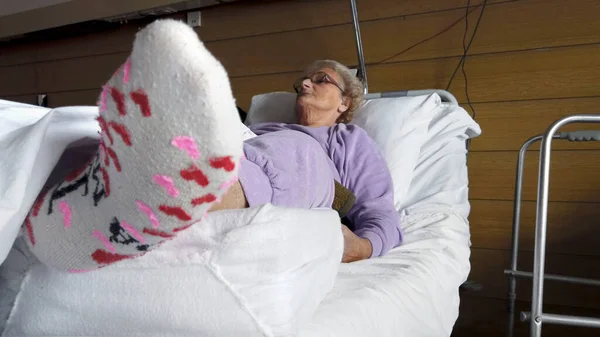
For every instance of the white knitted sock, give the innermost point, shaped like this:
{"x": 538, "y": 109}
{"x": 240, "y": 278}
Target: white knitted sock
{"x": 170, "y": 146}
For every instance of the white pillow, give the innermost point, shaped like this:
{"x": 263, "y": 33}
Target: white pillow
{"x": 278, "y": 106}
{"x": 398, "y": 125}
{"x": 399, "y": 128}
{"x": 440, "y": 179}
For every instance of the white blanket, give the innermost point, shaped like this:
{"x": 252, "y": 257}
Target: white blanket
{"x": 32, "y": 139}
{"x": 254, "y": 272}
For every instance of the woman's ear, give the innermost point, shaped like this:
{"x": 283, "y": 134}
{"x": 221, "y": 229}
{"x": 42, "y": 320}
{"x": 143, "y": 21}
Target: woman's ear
{"x": 344, "y": 105}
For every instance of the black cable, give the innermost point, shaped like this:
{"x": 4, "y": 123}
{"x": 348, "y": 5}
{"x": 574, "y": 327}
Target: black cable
{"x": 465, "y": 50}
{"x": 464, "y": 41}
{"x": 461, "y": 63}
{"x": 427, "y": 39}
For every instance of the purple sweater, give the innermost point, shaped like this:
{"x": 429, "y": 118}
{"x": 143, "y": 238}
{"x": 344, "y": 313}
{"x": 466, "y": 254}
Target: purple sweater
{"x": 363, "y": 170}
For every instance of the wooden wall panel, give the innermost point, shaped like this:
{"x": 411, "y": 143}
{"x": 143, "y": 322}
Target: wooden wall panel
{"x": 281, "y": 55}
{"x": 508, "y": 76}
{"x": 488, "y": 267}
{"x": 65, "y": 98}
{"x": 17, "y": 80}
{"x": 257, "y": 18}
{"x": 233, "y": 21}
{"x": 488, "y": 75}
{"x": 79, "y": 73}
{"x": 572, "y": 226}
{"x": 291, "y": 51}
{"x": 74, "y": 74}
{"x": 525, "y": 75}
{"x": 384, "y": 38}
{"x": 27, "y": 99}
{"x": 573, "y": 175}
{"x": 82, "y": 97}
{"x": 507, "y": 125}
{"x": 109, "y": 41}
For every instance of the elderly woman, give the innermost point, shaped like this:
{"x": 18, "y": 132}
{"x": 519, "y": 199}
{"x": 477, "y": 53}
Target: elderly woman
{"x": 170, "y": 151}
{"x": 296, "y": 165}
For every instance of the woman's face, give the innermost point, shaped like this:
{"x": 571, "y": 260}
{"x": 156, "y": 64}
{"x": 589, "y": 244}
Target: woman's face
{"x": 320, "y": 100}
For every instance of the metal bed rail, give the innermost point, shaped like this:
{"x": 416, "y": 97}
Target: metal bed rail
{"x": 536, "y": 317}
{"x": 446, "y": 96}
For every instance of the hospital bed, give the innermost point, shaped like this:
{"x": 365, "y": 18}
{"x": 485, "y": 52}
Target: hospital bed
{"x": 411, "y": 291}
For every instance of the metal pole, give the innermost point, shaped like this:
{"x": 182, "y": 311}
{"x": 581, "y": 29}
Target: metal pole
{"x": 542, "y": 217}
{"x": 590, "y": 322}
{"x": 359, "y": 50}
{"x": 558, "y": 278}
{"x": 512, "y": 282}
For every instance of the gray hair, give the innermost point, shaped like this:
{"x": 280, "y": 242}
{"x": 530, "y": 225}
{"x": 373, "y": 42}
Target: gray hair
{"x": 353, "y": 88}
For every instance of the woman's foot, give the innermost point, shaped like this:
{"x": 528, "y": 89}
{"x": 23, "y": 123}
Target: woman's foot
{"x": 169, "y": 147}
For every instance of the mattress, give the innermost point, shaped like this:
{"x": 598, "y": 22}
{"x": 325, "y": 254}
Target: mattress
{"x": 412, "y": 291}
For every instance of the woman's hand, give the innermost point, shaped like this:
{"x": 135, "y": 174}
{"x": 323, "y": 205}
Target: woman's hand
{"x": 355, "y": 247}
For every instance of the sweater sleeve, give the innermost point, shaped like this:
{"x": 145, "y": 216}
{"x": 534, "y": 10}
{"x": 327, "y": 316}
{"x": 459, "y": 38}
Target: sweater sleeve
{"x": 363, "y": 170}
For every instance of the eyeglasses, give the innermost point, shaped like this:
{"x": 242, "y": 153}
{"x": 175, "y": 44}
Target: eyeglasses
{"x": 317, "y": 78}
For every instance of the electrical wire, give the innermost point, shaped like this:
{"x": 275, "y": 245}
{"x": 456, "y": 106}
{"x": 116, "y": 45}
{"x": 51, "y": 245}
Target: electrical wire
{"x": 461, "y": 63}
{"x": 427, "y": 39}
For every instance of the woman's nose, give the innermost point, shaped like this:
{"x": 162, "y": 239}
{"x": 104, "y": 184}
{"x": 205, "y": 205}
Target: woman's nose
{"x": 307, "y": 83}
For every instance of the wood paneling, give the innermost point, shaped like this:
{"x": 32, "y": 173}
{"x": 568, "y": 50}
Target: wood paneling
{"x": 27, "y": 99}
{"x": 507, "y": 76}
{"x": 17, "y": 80}
{"x": 534, "y": 74}
{"x": 79, "y": 73}
{"x": 488, "y": 317}
{"x": 234, "y": 21}
{"x": 511, "y": 26}
{"x": 257, "y": 18}
{"x": 282, "y": 52}
{"x": 572, "y": 227}
{"x": 109, "y": 41}
{"x": 507, "y": 125}
{"x": 58, "y": 99}
{"x": 60, "y": 75}
{"x": 383, "y": 39}
{"x": 573, "y": 175}
{"x": 82, "y": 97}
{"x": 488, "y": 266}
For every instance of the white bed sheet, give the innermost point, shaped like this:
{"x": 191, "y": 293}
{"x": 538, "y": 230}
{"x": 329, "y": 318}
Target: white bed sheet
{"x": 412, "y": 291}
